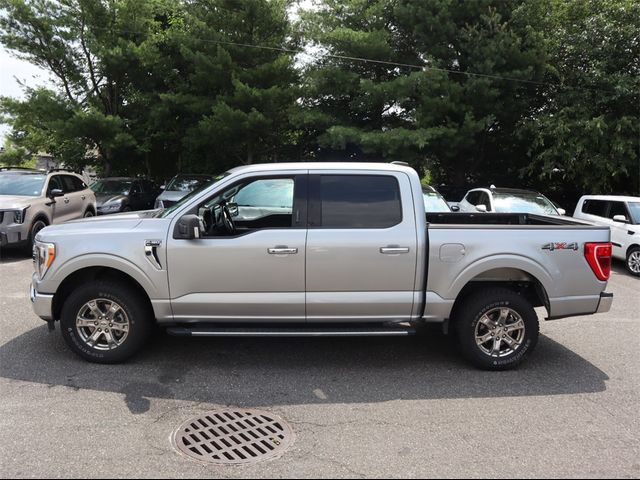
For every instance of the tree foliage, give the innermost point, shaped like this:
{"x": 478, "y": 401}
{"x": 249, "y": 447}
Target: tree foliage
{"x": 516, "y": 92}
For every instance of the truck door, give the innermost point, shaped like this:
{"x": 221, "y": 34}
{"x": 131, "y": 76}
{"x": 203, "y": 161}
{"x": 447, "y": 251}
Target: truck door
{"x": 361, "y": 247}
{"x": 255, "y": 273}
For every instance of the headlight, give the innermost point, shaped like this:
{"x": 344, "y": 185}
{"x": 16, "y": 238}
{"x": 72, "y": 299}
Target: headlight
{"x": 20, "y": 215}
{"x": 43, "y": 255}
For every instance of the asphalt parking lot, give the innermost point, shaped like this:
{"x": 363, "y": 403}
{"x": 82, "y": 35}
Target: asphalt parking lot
{"x": 387, "y": 407}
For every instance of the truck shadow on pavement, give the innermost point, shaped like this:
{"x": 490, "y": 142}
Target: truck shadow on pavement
{"x": 271, "y": 372}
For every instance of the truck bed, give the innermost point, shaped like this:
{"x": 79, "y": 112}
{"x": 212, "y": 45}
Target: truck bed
{"x": 500, "y": 219}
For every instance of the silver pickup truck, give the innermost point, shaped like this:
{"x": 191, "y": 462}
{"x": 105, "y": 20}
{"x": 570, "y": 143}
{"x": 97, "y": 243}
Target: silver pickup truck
{"x": 318, "y": 249}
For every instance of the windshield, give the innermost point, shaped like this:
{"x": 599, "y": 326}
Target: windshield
{"x": 634, "y": 210}
{"x": 523, "y": 203}
{"x": 167, "y": 211}
{"x": 434, "y": 202}
{"x": 113, "y": 187}
{"x": 26, "y": 184}
{"x": 188, "y": 183}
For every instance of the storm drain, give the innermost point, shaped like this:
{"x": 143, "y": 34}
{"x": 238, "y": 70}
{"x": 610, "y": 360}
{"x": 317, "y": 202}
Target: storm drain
{"x": 230, "y": 437}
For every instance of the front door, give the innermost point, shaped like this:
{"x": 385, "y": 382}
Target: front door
{"x": 361, "y": 247}
{"x": 250, "y": 264}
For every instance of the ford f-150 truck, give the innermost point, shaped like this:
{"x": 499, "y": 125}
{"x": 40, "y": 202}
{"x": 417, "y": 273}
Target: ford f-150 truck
{"x": 317, "y": 249}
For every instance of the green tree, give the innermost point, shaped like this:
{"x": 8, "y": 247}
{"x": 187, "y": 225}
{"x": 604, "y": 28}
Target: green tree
{"x": 587, "y": 134}
{"x": 92, "y": 50}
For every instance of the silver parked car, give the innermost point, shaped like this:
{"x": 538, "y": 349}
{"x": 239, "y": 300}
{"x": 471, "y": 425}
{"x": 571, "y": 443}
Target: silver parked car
{"x": 32, "y": 199}
{"x": 180, "y": 186}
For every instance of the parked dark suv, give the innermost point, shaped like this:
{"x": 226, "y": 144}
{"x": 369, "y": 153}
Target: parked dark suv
{"x": 124, "y": 194}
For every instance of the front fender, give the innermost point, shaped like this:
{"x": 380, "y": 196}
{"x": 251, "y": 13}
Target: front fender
{"x": 152, "y": 286}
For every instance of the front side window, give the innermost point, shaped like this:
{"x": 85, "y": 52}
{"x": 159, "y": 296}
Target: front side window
{"x": 28, "y": 185}
{"x": 247, "y": 206}
{"x": 484, "y": 200}
{"x": 359, "y": 201}
{"x": 617, "y": 208}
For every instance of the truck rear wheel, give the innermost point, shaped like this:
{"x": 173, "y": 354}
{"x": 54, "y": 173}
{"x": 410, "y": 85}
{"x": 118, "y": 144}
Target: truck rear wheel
{"x": 105, "y": 322}
{"x": 497, "y": 329}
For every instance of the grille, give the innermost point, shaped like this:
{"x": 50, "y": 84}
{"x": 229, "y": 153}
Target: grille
{"x": 229, "y": 437}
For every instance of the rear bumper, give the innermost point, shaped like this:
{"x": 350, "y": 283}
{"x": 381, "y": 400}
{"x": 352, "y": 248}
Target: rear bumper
{"x": 606, "y": 299}
{"x": 42, "y": 304}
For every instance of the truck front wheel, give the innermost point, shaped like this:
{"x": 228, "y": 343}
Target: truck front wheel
{"x": 497, "y": 329}
{"x": 105, "y": 322}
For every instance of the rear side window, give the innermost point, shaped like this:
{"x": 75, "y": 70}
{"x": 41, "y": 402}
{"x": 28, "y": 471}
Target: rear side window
{"x": 358, "y": 201}
{"x": 595, "y": 207}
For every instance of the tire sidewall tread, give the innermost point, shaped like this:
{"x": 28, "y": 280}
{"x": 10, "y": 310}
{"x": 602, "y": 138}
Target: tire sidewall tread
{"x": 130, "y": 301}
{"x": 470, "y": 313}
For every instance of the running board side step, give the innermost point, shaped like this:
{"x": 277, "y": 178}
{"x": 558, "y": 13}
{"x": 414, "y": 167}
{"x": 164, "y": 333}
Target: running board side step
{"x": 382, "y": 331}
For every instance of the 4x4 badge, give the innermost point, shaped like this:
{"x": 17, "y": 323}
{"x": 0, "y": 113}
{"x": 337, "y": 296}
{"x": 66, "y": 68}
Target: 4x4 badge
{"x": 560, "y": 246}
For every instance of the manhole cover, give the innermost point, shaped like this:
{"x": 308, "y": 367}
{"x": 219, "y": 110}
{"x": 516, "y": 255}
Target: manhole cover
{"x": 234, "y": 437}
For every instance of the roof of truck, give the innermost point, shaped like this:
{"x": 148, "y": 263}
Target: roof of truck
{"x": 611, "y": 198}
{"x": 265, "y": 167}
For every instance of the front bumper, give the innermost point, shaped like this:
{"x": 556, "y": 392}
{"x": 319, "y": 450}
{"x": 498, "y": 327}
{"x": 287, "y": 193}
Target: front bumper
{"x": 42, "y": 304}
{"x": 606, "y": 299}
{"x": 13, "y": 234}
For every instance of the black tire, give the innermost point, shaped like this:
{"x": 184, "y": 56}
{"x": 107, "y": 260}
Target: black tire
{"x": 88, "y": 214}
{"x": 37, "y": 225}
{"x": 132, "y": 304}
{"x": 126, "y": 209}
{"x": 492, "y": 302}
{"x": 633, "y": 256}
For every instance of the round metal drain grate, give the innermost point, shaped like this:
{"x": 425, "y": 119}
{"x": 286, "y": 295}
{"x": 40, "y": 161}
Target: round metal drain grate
{"x": 230, "y": 437}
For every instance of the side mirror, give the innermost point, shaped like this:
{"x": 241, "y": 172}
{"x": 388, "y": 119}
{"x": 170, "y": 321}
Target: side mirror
{"x": 562, "y": 211}
{"x": 455, "y": 208}
{"x": 189, "y": 227}
{"x": 481, "y": 208}
{"x": 56, "y": 193}
{"x": 620, "y": 218}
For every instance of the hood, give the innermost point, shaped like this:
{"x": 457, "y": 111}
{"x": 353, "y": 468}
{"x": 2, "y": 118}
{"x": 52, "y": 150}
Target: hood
{"x": 11, "y": 202}
{"x": 119, "y": 223}
{"x": 102, "y": 198}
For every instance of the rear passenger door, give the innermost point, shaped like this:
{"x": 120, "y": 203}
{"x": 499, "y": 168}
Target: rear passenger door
{"x": 361, "y": 247}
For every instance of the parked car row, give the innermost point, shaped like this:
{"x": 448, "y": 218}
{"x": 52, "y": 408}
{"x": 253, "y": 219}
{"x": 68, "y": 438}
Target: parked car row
{"x": 32, "y": 199}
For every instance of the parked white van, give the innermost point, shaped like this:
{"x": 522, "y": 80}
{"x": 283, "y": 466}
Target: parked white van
{"x": 622, "y": 214}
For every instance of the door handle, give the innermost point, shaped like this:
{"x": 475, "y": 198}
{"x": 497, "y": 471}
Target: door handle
{"x": 66, "y": 200}
{"x": 282, "y": 251}
{"x": 394, "y": 250}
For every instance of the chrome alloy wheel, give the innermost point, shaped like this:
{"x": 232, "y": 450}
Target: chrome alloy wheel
{"x": 500, "y": 332}
{"x": 634, "y": 262}
{"x": 102, "y": 324}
